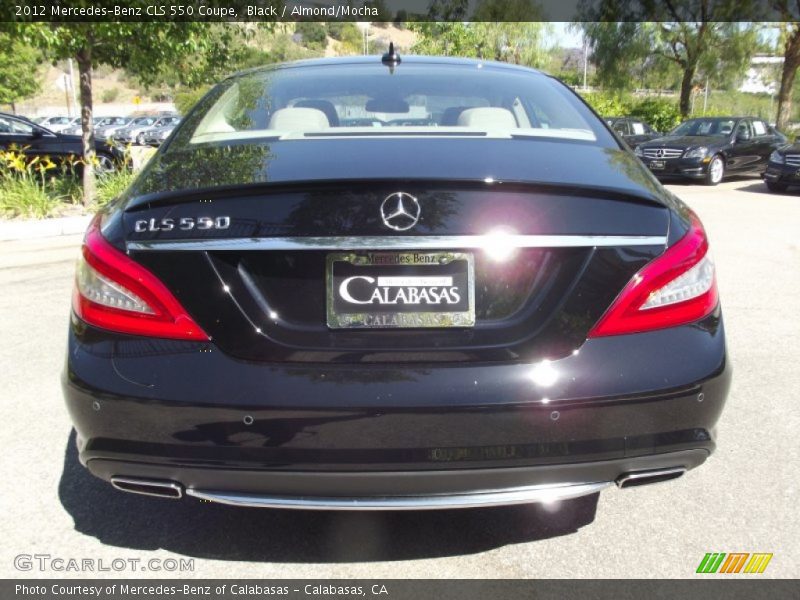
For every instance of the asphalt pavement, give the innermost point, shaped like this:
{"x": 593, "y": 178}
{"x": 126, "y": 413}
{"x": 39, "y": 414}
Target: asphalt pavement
{"x": 744, "y": 499}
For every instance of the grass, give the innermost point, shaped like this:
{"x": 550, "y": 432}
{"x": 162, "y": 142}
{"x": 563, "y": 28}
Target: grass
{"x": 22, "y": 197}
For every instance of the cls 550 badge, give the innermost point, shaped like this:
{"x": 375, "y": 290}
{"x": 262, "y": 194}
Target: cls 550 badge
{"x": 182, "y": 224}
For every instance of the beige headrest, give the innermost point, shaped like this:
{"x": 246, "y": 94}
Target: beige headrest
{"x": 298, "y": 119}
{"x": 487, "y": 118}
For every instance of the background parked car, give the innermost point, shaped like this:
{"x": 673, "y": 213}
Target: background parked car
{"x": 104, "y": 132}
{"x": 783, "y": 169}
{"x": 127, "y": 134}
{"x": 634, "y": 131}
{"x": 97, "y": 122}
{"x": 35, "y": 140}
{"x": 59, "y": 124}
{"x": 710, "y": 148}
{"x": 160, "y": 132}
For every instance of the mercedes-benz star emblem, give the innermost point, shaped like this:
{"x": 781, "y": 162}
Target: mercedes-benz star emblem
{"x": 400, "y": 211}
{"x": 660, "y": 153}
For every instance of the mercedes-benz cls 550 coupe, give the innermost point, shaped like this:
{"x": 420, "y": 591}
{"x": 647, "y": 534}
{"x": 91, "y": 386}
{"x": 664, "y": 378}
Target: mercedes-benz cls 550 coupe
{"x": 487, "y": 300}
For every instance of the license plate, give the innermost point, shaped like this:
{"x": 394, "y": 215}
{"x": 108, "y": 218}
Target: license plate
{"x": 657, "y": 164}
{"x": 400, "y": 289}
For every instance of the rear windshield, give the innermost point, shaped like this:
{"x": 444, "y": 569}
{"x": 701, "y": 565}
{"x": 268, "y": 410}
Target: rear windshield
{"x": 365, "y": 100}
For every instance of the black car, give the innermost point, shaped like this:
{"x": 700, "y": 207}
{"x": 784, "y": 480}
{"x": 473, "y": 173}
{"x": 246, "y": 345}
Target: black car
{"x": 35, "y": 140}
{"x": 634, "y": 131}
{"x": 783, "y": 169}
{"x": 711, "y": 148}
{"x": 286, "y": 312}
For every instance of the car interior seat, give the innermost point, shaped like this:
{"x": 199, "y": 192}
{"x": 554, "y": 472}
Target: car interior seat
{"x": 451, "y": 114}
{"x": 325, "y": 106}
{"x": 298, "y": 119}
{"x": 487, "y": 118}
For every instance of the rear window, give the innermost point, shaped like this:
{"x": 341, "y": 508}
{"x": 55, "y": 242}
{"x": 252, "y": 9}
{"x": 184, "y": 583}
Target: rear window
{"x": 364, "y": 100}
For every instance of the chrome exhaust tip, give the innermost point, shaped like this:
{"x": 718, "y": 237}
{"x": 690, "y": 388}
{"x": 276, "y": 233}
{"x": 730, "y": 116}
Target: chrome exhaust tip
{"x": 647, "y": 477}
{"x": 147, "y": 487}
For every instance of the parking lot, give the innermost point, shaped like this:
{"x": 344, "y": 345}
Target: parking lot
{"x": 744, "y": 499}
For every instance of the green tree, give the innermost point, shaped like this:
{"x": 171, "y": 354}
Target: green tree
{"x": 19, "y": 70}
{"x": 790, "y": 40}
{"x": 518, "y": 43}
{"x": 692, "y": 34}
{"x": 445, "y": 38}
{"x": 142, "y": 48}
{"x": 313, "y": 33}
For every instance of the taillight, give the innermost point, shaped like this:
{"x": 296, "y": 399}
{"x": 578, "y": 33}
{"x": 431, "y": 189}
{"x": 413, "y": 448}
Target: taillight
{"x": 676, "y": 288}
{"x": 113, "y": 292}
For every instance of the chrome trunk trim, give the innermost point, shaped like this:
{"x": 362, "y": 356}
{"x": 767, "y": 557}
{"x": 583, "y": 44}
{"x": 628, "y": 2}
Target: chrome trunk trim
{"x": 410, "y": 242}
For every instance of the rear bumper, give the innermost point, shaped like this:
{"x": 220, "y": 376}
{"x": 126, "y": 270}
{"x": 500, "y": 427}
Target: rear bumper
{"x": 393, "y": 490}
{"x": 375, "y": 436}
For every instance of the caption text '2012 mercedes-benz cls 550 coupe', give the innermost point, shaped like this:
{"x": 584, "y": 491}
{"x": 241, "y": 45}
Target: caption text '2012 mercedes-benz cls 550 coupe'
{"x": 480, "y": 297}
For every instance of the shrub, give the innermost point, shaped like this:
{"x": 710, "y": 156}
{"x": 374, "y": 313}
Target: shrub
{"x": 25, "y": 188}
{"x": 662, "y": 115}
{"x": 111, "y": 185}
{"x": 313, "y": 34}
{"x": 186, "y": 99}
{"x": 23, "y": 197}
{"x": 605, "y": 104}
{"x": 110, "y": 95}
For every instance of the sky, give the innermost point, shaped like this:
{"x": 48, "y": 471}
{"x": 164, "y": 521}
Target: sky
{"x": 562, "y": 35}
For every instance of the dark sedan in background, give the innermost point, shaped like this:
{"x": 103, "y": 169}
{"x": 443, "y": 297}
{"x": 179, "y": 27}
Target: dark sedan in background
{"x": 783, "y": 169}
{"x": 284, "y": 311}
{"x": 634, "y": 131}
{"x": 710, "y": 148}
{"x": 35, "y": 140}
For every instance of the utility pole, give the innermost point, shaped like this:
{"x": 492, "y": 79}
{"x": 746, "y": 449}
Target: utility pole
{"x": 585, "y": 61}
{"x": 66, "y": 95}
{"x": 71, "y": 84}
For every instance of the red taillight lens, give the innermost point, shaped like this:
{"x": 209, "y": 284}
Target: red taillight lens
{"x": 676, "y": 288}
{"x": 114, "y": 292}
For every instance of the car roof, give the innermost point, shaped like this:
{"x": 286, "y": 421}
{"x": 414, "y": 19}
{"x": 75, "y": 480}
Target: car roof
{"x": 732, "y": 117}
{"x": 17, "y": 117}
{"x": 414, "y": 59}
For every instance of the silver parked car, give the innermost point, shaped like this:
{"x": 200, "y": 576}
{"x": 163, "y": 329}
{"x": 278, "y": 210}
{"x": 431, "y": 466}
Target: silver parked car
{"x": 128, "y": 134}
{"x": 159, "y": 132}
{"x": 97, "y": 122}
{"x": 109, "y": 130}
{"x": 59, "y": 124}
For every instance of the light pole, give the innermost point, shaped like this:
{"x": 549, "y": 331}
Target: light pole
{"x": 364, "y": 27}
{"x": 585, "y": 61}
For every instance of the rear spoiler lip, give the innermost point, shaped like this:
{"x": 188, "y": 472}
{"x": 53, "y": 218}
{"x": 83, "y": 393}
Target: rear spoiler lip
{"x": 637, "y": 195}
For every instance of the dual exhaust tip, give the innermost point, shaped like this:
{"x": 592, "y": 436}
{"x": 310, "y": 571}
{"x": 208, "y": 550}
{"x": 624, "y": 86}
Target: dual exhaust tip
{"x": 174, "y": 491}
{"x": 635, "y": 478}
{"x": 148, "y": 487}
